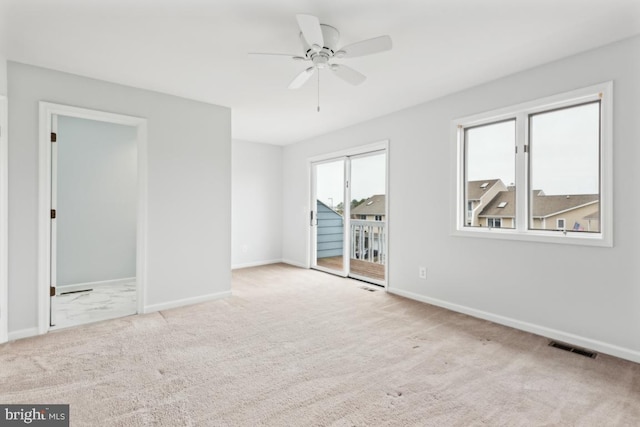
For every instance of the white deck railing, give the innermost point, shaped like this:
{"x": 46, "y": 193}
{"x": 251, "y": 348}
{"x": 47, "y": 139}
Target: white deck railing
{"x": 369, "y": 241}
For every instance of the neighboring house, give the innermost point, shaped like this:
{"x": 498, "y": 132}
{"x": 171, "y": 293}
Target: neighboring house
{"x": 566, "y": 212}
{"x": 372, "y": 246}
{"x": 330, "y": 232}
{"x": 500, "y": 211}
{"x": 479, "y": 194}
{"x": 580, "y": 212}
{"x": 372, "y": 209}
{"x": 592, "y": 221}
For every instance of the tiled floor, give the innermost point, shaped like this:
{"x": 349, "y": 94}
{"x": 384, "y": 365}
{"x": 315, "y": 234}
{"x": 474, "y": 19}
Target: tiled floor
{"x": 103, "y": 302}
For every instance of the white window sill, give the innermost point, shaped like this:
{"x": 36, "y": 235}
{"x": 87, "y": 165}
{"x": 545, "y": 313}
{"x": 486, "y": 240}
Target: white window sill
{"x": 555, "y": 237}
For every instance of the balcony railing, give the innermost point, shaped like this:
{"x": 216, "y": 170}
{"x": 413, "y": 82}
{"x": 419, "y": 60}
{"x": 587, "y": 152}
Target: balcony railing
{"x": 369, "y": 241}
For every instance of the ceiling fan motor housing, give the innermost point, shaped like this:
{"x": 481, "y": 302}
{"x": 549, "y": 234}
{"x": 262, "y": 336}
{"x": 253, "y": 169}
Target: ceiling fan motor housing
{"x": 320, "y": 57}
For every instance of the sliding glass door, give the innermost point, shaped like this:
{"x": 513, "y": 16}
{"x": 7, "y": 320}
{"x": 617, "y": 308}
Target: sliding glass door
{"x": 368, "y": 217}
{"x": 327, "y": 216}
{"x": 349, "y": 216}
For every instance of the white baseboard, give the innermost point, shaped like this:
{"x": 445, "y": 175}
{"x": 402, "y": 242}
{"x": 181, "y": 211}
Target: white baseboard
{"x": 186, "y": 301}
{"x": 295, "y": 263}
{"x": 23, "y": 333}
{"x": 255, "y": 264}
{"x": 88, "y": 285}
{"x": 588, "y": 343}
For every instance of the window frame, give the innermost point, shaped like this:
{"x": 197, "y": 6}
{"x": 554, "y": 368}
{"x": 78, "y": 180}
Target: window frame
{"x": 602, "y": 92}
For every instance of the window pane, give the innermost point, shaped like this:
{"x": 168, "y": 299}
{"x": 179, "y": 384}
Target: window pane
{"x": 490, "y": 175}
{"x": 565, "y": 169}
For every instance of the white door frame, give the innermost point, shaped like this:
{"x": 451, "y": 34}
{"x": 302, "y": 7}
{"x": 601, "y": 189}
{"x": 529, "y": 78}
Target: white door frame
{"x": 350, "y": 152}
{"x": 4, "y": 221}
{"x": 47, "y": 110}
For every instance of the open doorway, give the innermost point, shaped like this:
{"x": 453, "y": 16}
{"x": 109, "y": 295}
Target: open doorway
{"x": 94, "y": 233}
{"x": 349, "y": 231}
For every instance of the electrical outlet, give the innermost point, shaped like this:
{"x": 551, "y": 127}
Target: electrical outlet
{"x": 422, "y": 272}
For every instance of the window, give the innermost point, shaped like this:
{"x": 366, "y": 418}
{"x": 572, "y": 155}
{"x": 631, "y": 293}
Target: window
{"x": 494, "y": 222}
{"x": 544, "y": 165}
{"x": 378, "y": 218}
{"x": 564, "y": 164}
{"x": 489, "y": 163}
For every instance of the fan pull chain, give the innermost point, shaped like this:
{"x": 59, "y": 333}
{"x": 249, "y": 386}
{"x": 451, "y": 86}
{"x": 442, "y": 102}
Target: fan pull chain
{"x": 318, "y": 90}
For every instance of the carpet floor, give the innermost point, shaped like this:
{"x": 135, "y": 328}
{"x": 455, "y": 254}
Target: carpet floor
{"x": 295, "y": 347}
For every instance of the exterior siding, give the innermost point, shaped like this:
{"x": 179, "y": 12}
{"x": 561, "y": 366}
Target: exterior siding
{"x": 330, "y": 232}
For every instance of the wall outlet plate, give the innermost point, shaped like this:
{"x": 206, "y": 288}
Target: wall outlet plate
{"x": 422, "y": 272}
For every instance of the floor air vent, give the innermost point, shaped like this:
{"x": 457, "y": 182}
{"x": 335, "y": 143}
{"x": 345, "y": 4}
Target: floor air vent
{"x": 572, "y": 349}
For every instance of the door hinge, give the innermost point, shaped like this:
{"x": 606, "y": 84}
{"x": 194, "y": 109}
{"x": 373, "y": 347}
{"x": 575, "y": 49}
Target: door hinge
{"x": 53, "y": 214}
{"x": 54, "y": 137}
{"x": 526, "y": 148}
{"x": 52, "y": 291}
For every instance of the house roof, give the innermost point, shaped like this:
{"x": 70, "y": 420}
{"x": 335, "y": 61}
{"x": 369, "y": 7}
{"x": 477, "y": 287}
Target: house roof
{"x": 476, "y": 189}
{"x": 374, "y": 205}
{"x": 492, "y": 209}
{"x": 543, "y": 206}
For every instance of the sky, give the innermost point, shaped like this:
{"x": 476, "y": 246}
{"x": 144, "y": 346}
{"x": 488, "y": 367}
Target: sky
{"x": 367, "y": 179}
{"x": 564, "y": 151}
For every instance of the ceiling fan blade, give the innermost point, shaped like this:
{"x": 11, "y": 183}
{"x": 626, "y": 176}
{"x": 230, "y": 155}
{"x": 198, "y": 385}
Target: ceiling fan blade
{"x": 302, "y": 78}
{"x": 311, "y": 31}
{"x": 348, "y": 74}
{"x": 366, "y": 47}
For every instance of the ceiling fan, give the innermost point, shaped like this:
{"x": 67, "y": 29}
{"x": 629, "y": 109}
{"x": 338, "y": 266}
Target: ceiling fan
{"x": 320, "y": 47}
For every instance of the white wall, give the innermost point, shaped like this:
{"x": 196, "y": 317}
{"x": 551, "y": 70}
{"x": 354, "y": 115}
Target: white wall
{"x": 256, "y": 204}
{"x": 3, "y": 202}
{"x": 3, "y": 75}
{"x": 3, "y": 219}
{"x": 189, "y": 184}
{"x": 586, "y": 295}
{"x": 96, "y": 201}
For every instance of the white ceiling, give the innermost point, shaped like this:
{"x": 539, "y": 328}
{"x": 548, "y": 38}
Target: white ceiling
{"x": 198, "y": 49}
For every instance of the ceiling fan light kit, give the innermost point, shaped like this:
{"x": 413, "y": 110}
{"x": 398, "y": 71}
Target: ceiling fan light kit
{"x": 320, "y": 47}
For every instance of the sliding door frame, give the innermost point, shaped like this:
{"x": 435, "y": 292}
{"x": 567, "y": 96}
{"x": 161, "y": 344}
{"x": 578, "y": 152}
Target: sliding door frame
{"x": 47, "y": 111}
{"x": 363, "y": 150}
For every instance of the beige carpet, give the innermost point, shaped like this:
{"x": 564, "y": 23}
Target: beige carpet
{"x": 299, "y": 348}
